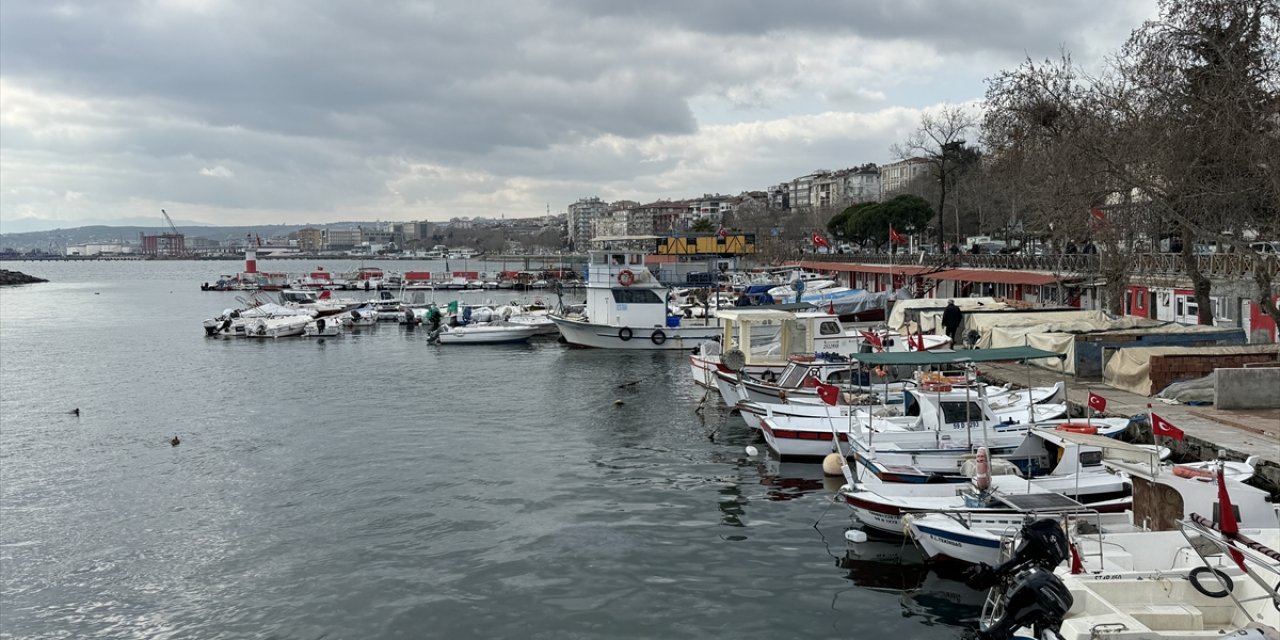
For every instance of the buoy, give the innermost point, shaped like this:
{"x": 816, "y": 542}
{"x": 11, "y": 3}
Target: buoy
{"x": 855, "y": 535}
{"x": 175, "y": 441}
{"x": 76, "y": 412}
{"x": 1185, "y": 471}
{"x": 752, "y": 451}
{"x": 982, "y": 477}
{"x": 1077, "y": 427}
{"x": 831, "y": 465}
{"x": 618, "y": 403}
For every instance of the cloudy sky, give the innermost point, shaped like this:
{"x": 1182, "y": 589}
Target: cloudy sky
{"x": 293, "y": 111}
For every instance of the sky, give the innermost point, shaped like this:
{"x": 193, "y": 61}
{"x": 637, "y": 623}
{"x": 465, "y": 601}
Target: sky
{"x": 309, "y": 111}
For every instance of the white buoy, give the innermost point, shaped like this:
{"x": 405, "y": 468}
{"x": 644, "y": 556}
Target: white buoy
{"x": 752, "y": 451}
{"x": 618, "y": 403}
{"x": 855, "y": 535}
{"x": 831, "y": 465}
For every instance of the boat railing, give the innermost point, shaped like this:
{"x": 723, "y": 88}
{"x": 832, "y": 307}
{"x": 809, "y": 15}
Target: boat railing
{"x": 1250, "y": 553}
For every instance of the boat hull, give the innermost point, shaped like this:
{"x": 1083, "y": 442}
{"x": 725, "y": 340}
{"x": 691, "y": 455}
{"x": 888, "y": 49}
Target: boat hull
{"x": 601, "y": 336}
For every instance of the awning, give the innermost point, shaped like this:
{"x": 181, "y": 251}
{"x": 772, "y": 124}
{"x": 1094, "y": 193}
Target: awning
{"x": 954, "y": 357}
{"x": 853, "y": 267}
{"x": 998, "y": 277}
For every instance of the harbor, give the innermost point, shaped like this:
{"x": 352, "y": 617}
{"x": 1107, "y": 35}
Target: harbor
{"x": 642, "y": 462}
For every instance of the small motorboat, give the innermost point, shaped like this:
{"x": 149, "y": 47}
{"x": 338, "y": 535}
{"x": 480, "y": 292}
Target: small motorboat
{"x": 486, "y": 333}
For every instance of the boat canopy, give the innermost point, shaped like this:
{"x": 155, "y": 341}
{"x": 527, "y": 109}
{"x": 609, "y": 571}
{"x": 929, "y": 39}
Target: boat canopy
{"x": 1112, "y": 450}
{"x": 921, "y": 358}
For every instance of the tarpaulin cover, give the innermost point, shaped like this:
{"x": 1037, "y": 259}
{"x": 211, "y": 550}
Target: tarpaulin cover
{"x": 1060, "y": 335}
{"x": 898, "y": 317}
{"x": 1130, "y": 369}
{"x": 953, "y": 357}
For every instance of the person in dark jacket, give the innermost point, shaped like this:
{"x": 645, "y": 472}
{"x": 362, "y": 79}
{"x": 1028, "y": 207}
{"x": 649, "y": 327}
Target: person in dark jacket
{"x": 951, "y": 318}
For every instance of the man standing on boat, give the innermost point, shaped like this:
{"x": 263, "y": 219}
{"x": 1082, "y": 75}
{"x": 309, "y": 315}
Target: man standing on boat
{"x": 951, "y": 319}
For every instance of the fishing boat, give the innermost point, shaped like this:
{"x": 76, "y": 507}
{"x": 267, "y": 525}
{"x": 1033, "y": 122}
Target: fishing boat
{"x": 323, "y": 328}
{"x": 627, "y": 309}
{"x": 997, "y": 493}
{"x": 956, "y": 536}
{"x": 1205, "y": 565}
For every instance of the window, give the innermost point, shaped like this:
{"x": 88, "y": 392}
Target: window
{"x": 961, "y": 412}
{"x": 635, "y": 296}
{"x": 829, "y": 329}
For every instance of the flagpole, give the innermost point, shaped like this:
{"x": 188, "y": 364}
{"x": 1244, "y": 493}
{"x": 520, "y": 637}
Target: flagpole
{"x": 1089, "y": 403}
{"x": 1155, "y": 468}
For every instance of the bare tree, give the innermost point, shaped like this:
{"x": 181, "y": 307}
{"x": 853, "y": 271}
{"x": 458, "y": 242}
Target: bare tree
{"x": 940, "y": 140}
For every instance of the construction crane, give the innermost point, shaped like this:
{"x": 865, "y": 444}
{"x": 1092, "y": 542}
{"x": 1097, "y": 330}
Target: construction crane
{"x": 169, "y": 222}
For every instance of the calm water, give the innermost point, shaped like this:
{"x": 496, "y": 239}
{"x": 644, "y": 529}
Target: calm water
{"x": 373, "y": 486}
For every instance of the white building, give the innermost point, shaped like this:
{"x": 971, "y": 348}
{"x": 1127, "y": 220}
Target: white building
{"x": 99, "y": 249}
{"x": 581, "y": 220}
{"x": 895, "y": 177}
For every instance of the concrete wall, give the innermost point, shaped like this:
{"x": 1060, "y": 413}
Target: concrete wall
{"x": 1089, "y": 347}
{"x": 1252, "y": 388}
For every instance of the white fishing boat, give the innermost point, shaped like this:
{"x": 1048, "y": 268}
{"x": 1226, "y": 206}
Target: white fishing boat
{"x": 1206, "y": 567}
{"x": 485, "y": 333}
{"x": 627, "y": 309}
{"x": 997, "y": 494}
{"x": 979, "y": 541}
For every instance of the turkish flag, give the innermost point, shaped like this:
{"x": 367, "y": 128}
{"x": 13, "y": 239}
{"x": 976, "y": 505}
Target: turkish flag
{"x": 1098, "y": 216}
{"x": 1162, "y": 427}
{"x": 894, "y": 237}
{"x": 873, "y": 340}
{"x": 829, "y": 393}
{"x": 1228, "y": 525}
{"x": 819, "y": 241}
{"x": 1097, "y": 402}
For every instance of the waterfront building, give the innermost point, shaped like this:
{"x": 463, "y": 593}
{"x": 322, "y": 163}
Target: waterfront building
{"x": 581, "y": 218}
{"x": 895, "y": 177}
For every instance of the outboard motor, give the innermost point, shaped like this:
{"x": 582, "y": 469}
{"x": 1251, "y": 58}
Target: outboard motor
{"x": 1028, "y": 593}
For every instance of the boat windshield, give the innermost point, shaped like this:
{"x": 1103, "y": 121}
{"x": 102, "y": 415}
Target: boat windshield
{"x": 961, "y": 412}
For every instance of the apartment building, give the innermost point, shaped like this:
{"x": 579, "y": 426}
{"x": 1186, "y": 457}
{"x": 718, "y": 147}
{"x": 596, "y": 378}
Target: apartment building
{"x": 895, "y": 177}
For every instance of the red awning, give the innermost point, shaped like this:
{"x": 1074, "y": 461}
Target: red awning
{"x": 997, "y": 277}
{"x": 850, "y": 267}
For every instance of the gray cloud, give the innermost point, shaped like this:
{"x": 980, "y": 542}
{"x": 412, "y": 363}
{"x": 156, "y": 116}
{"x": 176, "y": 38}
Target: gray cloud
{"x": 445, "y": 108}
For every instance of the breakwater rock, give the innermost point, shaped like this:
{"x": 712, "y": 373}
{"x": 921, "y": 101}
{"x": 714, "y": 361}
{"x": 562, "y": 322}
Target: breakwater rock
{"x": 17, "y": 277}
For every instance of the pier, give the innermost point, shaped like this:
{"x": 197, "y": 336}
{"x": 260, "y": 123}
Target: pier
{"x": 1208, "y": 430}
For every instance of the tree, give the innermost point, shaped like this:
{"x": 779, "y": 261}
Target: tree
{"x": 1172, "y": 137}
{"x": 870, "y": 221}
{"x": 940, "y": 140}
{"x": 702, "y": 225}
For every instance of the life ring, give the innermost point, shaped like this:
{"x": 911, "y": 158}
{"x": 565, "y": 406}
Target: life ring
{"x": 769, "y": 376}
{"x": 624, "y": 334}
{"x": 626, "y": 278}
{"x": 936, "y": 386}
{"x": 1077, "y": 427}
{"x": 1187, "y": 471}
{"x": 1194, "y": 578}
{"x": 658, "y": 337}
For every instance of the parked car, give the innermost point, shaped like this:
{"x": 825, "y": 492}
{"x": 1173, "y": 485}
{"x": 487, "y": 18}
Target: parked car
{"x": 1271, "y": 247}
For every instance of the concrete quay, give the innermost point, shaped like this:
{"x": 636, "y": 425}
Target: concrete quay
{"x": 1238, "y": 434}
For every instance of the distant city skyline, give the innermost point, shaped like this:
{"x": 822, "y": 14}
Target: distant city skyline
{"x": 295, "y": 113}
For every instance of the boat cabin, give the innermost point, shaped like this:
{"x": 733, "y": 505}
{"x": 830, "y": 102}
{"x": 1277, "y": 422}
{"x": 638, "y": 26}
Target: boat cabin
{"x": 622, "y": 292}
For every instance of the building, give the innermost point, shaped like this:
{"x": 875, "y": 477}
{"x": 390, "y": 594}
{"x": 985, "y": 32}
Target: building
{"x": 895, "y": 177}
{"x": 310, "y": 239}
{"x": 341, "y": 239}
{"x": 862, "y": 184}
{"x": 663, "y": 216}
{"x": 99, "y": 249}
{"x": 709, "y": 207}
{"x": 582, "y": 215}
{"x": 164, "y": 245}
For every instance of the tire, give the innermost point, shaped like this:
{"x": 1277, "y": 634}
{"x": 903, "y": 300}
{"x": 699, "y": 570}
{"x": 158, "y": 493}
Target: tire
{"x": 624, "y": 334}
{"x": 1194, "y": 577}
{"x": 658, "y": 337}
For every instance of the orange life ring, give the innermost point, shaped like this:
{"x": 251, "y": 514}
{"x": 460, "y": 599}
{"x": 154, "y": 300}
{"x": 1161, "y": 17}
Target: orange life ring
{"x": 1077, "y": 427}
{"x": 626, "y": 278}
{"x": 1184, "y": 471}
